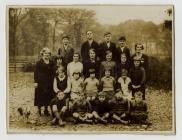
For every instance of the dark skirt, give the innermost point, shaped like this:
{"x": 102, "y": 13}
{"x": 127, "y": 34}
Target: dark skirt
{"x": 43, "y": 96}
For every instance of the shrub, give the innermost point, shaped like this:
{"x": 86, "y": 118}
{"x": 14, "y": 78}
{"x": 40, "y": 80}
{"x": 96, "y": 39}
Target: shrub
{"x": 160, "y": 73}
{"x": 28, "y": 67}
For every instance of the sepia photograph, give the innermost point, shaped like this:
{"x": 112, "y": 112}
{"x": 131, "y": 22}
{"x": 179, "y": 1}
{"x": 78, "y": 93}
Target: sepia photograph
{"x": 94, "y": 69}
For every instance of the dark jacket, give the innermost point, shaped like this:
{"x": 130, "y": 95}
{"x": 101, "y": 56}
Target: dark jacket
{"x": 138, "y": 76}
{"x": 122, "y": 66}
{"x": 85, "y": 49}
{"x": 43, "y": 75}
{"x": 66, "y": 54}
{"x": 119, "y": 52}
{"x": 91, "y": 65}
{"x": 144, "y": 63}
{"x": 103, "y": 48}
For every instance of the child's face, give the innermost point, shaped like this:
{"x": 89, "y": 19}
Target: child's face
{"x": 61, "y": 73}
{"x": 109, "y": 57}
{"x": 136, "y": 63}
{"x": 76, "y": 76}
{"x": 102, "y": 98}
{"x": 92, "y": 54}
{"x": 92, "y": 75}
{"x": 107, "y": 73}
{"x": 122, "y": 43}
{"x": 138, "y": 96}
{"x": 123, "y": 58}
{"x": 75, "y": 57}
{"x": 60, "y": 95}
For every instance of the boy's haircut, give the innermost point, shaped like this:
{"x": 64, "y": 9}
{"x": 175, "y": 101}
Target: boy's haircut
{"x": 91, "y": 71}
{"x": 107, "y": 33}
{"x": 65, "y": 36}
{"x": 108, "y": 52}
{"x": 139, "y": 44}
{"x": 122, "y": 38}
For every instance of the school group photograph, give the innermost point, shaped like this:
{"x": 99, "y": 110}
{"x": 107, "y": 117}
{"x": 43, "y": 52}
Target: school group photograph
{"x": 90, "y": 69}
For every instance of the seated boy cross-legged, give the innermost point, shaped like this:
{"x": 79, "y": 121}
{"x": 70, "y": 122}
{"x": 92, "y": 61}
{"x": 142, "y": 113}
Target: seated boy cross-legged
{"x": 101, "y": 108}
{"x": 59, "y": 106}
{"x": 82, "y": 110}
{"x": 119, "y": 109}
{"x": 138, "y": 109}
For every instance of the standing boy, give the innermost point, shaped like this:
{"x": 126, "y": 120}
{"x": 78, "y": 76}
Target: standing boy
{"x": 107, "y": 45}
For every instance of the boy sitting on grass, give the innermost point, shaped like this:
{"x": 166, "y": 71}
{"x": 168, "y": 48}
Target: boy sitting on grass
{"x": 119, "y": 109}
{"x": 82, "y": 110}
{"x": 101, "y": 108}
{"x": 59, "y": 106}
{"x": 138, "y": 109}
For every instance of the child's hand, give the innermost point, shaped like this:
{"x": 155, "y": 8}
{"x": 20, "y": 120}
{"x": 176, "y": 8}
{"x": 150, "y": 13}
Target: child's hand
{"x": 35, "y": 85}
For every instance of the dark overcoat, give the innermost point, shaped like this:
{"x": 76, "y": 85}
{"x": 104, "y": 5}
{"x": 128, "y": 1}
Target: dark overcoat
{"x": 43, "y": 76}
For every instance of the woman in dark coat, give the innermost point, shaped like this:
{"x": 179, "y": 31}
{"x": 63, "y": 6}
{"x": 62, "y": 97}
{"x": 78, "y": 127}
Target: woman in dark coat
{"x": 43, "y": 77}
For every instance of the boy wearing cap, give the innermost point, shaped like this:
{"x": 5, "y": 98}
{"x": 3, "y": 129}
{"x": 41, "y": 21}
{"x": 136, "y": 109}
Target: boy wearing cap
{"x": 107, "y": 84}
{"x": 107, "y": 45}
{"x": 101, "y": 108}
{"x": 91, "y": 86}
{"x": 119, "y": 108}
{"x": 82, "y": 110}
{"x": 138, "y": 109}
{"x": 122, "y": 48}
{"x": 125, "y": 84}
{"x": 138, "y": 77}
{"x": 66, "y": 51}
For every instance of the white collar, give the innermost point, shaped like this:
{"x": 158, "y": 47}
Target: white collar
{"x": 61, "y": 79}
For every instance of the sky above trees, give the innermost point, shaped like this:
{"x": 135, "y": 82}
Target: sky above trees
{"x": 117, "y": 14}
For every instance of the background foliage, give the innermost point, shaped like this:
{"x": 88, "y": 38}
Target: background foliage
{"x": 34, "y": 28}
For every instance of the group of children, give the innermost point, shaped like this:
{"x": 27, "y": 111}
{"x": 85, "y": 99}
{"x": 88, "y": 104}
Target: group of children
{"x": 103, "y": 95}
